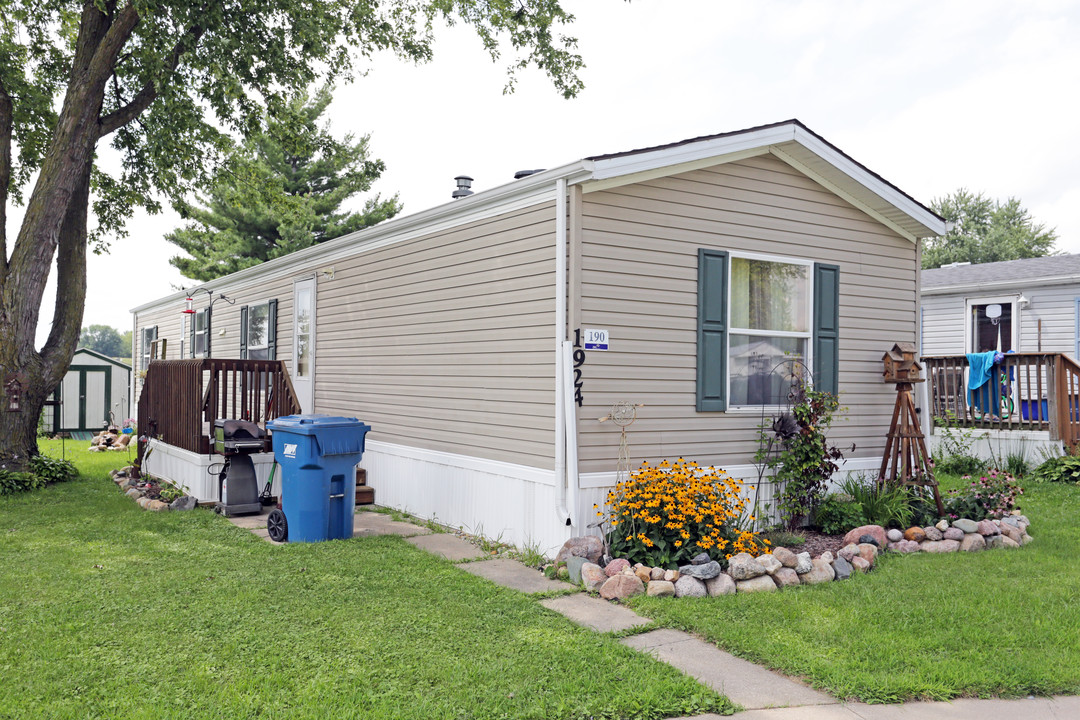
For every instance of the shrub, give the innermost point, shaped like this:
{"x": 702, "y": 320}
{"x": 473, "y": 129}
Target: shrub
{"x": 1064, "y": 468}
{"x": 836, "y": 515}
{"x": 991, "y": 496}
{"x": 954, "y": 455}
{"x": 879, "y": 503}
{"x": 806, "y": 461}
{"x": 663, "y": 516}
{"x": 53, "y": 470}
{"x": 14, "y": 482}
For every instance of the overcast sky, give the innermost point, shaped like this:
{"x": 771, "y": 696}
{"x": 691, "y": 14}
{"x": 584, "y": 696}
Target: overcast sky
{"x": 932, "y": 95}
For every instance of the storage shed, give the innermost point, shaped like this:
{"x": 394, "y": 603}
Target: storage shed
{"x": 95, "y": 391}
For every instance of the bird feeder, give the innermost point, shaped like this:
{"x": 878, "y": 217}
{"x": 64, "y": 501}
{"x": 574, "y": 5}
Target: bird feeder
{"x": 900, "y": 364}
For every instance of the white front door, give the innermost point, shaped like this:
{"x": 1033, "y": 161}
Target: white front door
{"x": 303, "y": 363}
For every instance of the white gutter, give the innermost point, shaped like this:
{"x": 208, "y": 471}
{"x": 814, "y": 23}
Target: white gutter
{"x": 560, "y": 337}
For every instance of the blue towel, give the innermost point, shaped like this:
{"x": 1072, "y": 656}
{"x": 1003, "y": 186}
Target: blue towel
{"x": 980, "y": 366}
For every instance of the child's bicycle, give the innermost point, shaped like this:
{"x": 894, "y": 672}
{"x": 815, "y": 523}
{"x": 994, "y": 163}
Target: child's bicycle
{"x": 1005, "y": 409}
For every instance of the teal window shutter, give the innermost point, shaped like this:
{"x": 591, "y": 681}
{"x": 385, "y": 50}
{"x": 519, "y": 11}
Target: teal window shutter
{"x": 827, "y": 328}
{"x": 712, "y": 337}
{"x": 243, "y": 332}
{"x": 271, "y": 331}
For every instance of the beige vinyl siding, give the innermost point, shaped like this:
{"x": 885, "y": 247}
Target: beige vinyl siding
{"x": 943, "y": 318}
{"x": 639, "y": 281}
{"x": 446, "y": 342}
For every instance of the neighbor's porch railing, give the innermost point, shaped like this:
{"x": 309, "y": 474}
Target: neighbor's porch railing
{"x": 181, "y": 399}
{"x": 1034, "y": 391}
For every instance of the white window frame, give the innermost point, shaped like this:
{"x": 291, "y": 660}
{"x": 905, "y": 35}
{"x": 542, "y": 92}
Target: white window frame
{"x": 1011, "y": 300}
{"x": 144, "y": 350}
{"x": 195, "y": 332}
{"x": 247, "y": 334}
{"x": 808, "y": 360}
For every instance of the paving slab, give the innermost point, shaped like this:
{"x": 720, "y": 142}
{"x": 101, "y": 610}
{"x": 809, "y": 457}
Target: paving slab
{"x": 249, "y": 522}
{"x": 373, "y": 523}
{"x": 1055, "y": 708}
{"x": 449, "y": 546}
{"x": 594, "y": 613}
{"x": 743, "y": 682}
{"x": 265, "y": 535}
{"x": 512, "y": 574}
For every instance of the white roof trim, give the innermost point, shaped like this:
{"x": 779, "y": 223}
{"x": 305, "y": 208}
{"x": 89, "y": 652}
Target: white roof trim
{"x": 1033, "y": 282}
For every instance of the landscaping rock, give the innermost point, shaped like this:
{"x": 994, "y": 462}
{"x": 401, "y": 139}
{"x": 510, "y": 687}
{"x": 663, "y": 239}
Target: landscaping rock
{"x": 702, "y": 572}
{"x": 689, "y": 586}
{"x": 589, "y": 547}
{"x": 671, "y": 575}
{"x": 157, "y": 505}
{"x": 143, "y": 502}
{"x": 849, "y": 551}
{"x": 803, "y": 563}
{"x": 187, "y": 502}
{"x": 941, "y": 546}
{"x": 868, "y": 552}
{"x": 862, "y": 566}
{"x": 1026, "y": 539}
{"x": 763, "y": 583}
{"x": 574, "y": 563}
{"x": 986, "y": 528}
{"x": 875, "y": 531}
{"x": 722, "y": 584}
{"x": 744, "y": 566}
{"x": 932, "y": 533}
{"x": 1011, "y": 531}
{"x": 562, "y": 573}
{"x": 656, "y": 574}
{"x": 842, "y": 568}
{"x": 786, "y": 557}
{"x": 870, "y": 539}
{"x": 821, "y": 572}
{"x": 593, "y": 576}
{"x": 770, "y": 563}
{"x": 621, "y": 587}
{"x": 786, "y": 577}
{"x": 616, "y": 566}
{"x": 942, "y": 525}
{"x": 701, "y": 559}
{"x": 914, "y": 533}
{"x": 894, "y": 535}
{"x": 644, "y": 574}
{"x": 827, "y": 556}
{"x": 954, "y": 534}
{"x": 972, "y": 542}
{"x": 660, "y": 588}
{"x": 1008, "y": 542}
{"x": 993, "y": 542}
{"x": 968, "y": 526}
{"x": 134, "y": 493}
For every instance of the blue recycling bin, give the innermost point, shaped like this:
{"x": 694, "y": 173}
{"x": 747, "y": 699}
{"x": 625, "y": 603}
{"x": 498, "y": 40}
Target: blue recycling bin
{"x": 318, "y": 456}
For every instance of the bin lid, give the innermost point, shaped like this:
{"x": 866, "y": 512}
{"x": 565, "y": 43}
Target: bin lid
{"x": 310, "y": 424}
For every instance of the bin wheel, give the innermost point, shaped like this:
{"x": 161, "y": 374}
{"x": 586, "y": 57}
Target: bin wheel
{"x": 277, "y": 526}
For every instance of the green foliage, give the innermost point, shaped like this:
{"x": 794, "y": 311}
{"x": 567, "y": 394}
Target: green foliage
{"x": 806, "y": 461}
{"x": 16, "y": 482}
{"x": 53, "y": 470}
{"x": 837, "y": 514}
{"x": 985, "y": 231}
{"x": 280, "y": 191}
{"x": 954, "y": 454}
{"x": 1060, "y": 469}
{"x": 106, "y": 340}
{"x": 879, "y": 504}
{"x": 170, "y": 493}
{"x": 992, "y": 495}
{"x": 783, "y": 538}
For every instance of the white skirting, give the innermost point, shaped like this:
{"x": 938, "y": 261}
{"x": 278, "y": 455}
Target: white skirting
{"x": 189, "y": 471}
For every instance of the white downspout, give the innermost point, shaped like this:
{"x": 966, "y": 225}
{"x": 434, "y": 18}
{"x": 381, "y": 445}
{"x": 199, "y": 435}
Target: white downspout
{"x": 560, "y": 366}
{"x": 571, "y": 432}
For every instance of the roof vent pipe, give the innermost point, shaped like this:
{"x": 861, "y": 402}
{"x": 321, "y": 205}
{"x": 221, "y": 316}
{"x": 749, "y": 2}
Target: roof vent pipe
{"x": 526, "y": 173}
{"x": 464, "y": 183}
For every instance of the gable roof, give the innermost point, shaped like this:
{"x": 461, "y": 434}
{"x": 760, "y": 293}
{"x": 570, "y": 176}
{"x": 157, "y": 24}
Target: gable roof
{"x": 1049, "y": 270}
{"x": 99, "y": 356}
{"x": 790, "y": 141}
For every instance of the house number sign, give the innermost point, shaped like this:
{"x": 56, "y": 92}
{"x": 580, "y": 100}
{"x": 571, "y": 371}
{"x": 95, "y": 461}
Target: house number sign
{"x": 579, "y": 360}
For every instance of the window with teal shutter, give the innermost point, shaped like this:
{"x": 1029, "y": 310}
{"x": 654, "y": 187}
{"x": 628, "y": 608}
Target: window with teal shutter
{"x": 827, "y": 328}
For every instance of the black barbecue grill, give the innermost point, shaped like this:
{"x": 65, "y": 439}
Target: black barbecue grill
{"x": 237, "y": 440}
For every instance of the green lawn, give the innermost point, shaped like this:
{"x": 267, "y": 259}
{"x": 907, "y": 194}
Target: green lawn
{"x": 921, "y": 626}
{"x": 110, "y": 611}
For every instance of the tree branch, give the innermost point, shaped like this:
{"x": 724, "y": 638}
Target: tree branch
{"x": 6, "y": 125}
{"x": 149, "y": 92}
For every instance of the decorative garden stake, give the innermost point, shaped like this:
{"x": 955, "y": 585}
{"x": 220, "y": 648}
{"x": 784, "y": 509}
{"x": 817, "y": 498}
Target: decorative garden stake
{"x": 623, "y": 414}
{"x": 905, "y": 449}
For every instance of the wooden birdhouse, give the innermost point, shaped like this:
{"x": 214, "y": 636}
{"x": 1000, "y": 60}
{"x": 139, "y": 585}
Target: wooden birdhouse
{"x": 13, "y": 389}
{"x": 901, "y": 364}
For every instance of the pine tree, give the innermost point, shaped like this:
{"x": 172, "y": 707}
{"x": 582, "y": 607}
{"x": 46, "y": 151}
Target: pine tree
{"x": 280, "y": 191}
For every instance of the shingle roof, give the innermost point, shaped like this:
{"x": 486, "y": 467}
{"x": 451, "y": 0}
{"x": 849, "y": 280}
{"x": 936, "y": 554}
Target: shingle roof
{"x": 1041, "y": 268}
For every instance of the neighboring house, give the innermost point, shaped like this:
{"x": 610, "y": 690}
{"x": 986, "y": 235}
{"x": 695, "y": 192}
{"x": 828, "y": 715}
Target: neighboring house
{"x": 461, "y": 334}
{"x": 94, "y": 392}
{"x": 1039, "y": 301}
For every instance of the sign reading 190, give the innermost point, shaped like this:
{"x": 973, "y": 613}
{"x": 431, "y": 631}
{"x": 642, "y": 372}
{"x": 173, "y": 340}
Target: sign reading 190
{"x": 596, "y": 339}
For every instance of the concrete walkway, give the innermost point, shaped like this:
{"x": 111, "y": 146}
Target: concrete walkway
{"x": 764, "y": 694}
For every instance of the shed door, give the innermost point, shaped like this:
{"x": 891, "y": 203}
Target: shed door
{"x": 85, "y": 396}
{"x": 303, "y": 362}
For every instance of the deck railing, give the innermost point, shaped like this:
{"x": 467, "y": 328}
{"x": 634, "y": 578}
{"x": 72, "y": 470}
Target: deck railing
{"x": 1027, "y": 391}
{"x": 181, "y": 399}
